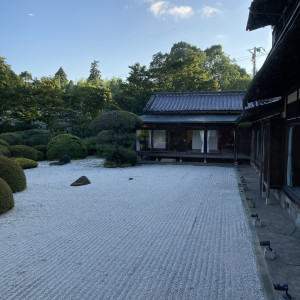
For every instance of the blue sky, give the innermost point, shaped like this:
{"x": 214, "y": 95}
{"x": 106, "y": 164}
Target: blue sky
{"x": 42, "y": 35}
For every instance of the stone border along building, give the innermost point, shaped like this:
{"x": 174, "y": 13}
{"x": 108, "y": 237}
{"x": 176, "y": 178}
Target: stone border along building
{"x": 261, "y": 125}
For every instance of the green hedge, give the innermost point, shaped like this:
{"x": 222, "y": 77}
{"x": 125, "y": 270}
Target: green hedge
{"x": 5, "y": 151}
{"x": 91, "y": 145}
{"x": 42, "y": 148}
{"x": 12, "y": 138}
{"x": 4, "y": 143}
{"x": 13, "y": 174}
{"x": 25, "y": 163}
{"x": 24, "y": 151}
{"x": 41, "y": 156}
{"x": 6, "y": 197}
{"x": 35, "y": 137}
{"x": 66, "y": 144}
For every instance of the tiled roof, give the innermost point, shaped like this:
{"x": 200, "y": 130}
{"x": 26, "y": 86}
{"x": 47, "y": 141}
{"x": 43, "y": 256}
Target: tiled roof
{"x": 229, "y": 118}
{"x": 195, "y": 102}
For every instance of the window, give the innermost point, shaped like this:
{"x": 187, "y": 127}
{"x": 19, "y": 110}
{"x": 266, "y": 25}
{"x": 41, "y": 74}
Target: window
{"x": 198, "y": 140}
{"x": 212, "y": 141}
{"x": 159, "y": 139}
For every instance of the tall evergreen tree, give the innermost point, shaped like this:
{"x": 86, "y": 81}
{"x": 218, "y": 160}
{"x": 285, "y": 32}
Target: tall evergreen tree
{"x": 95, "y": 74}
{"x": 62, "y": 75}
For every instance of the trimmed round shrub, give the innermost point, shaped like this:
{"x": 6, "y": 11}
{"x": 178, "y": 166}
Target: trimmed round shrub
{"x": 24, "y": 151}
{"x": 13, "y": 174}
{"x": 6, "y": 197}
{"x": 12, "y": 138}
{"x": 42, "y": 148}
{"x": 4, "y": 143}
{"x": 91, "y": 145}
{"x": 35, "y": 137}
{"x": 41, "y": 156}
{"x": 5, "y": 151}
{"x": 25, "y": 163}
{"x": 66, "y": 144}
{"x": 129, "y": 156}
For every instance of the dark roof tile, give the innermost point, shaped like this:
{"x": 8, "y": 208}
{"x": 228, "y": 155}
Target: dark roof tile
{"x": 195, "y": 102}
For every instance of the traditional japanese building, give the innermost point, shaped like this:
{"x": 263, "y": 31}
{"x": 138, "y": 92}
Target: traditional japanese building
{"x": 195, "y": 125}
{"x": 272, "y": 104}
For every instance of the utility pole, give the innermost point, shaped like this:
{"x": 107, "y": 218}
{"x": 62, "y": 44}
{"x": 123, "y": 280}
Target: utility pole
{"x": 253, "y": 52}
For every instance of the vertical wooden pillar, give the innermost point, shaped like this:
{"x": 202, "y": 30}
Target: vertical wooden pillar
{"x": 236, "y": 144}
{"x": 205, "y": 139}
{"x": 261, "y": 160}
{"x": 205, "y": 143}
{"x": 268, "y": 161}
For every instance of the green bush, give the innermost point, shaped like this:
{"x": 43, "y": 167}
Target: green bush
{"x": 41, "y": 156}
{"x": 66, "y": 144}
{"x": 115, "y": 120}
{"x": 6, "y": 197}
{"x": 116, "y": 136}
{"x": 23, "y": 151}
{"x": 42, "y": 148}
{"x": 129, "y": 156}
{"x": 120, "y": 157}
{"x": 13, "y": 174}
{"x": 25, "y": 163}
{"x": 91, "y": 145}
{"x": 34, "y": 137}
{"x": 5, "y": 151}
{"x": 12, "y": 138}
{"x": 4, "y": 143}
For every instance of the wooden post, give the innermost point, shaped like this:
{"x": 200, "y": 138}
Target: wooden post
{"x": 236, "y": 145}
{"x": 261, "y": 160}
{"x": 268, "y": 161}
{"x": 205, "y": 143}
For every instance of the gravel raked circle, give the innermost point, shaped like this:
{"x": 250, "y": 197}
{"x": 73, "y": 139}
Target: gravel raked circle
{"x": 172, "y": 232}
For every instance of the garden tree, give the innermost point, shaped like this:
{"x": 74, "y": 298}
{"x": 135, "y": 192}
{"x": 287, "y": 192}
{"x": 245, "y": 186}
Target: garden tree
{"x": 9, "y": 81}
{"x": 238, "y": 84}
{"x": 62, "y": 75}
{"x": 223, "y": 69}
{"x": 87, "y": 101}
{"x": 49, "y": 95}
{"x": 27, "y": 109}
{"x": 117, "y": 87}
{"x": 89, "y": 98}
{"x": 138, "y": 89}
{"x": 26, "y": 76}
{"x": 95, "y": 74}
{"x": 116, "y": 136}
{"x": 182, "y": 70}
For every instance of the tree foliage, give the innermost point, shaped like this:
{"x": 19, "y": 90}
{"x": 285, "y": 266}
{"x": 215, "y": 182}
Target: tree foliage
{"x": 59, "y": 105}
{"x": 116, "y": 136}
{"x": 95, "y": 74}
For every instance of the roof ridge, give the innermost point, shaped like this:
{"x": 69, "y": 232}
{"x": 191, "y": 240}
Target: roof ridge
{"x": 200, "y": 92}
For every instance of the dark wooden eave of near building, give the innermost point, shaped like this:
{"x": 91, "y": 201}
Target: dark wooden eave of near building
{"x": 280, "y": 71}
{"x": 265, "y": 12}
{"x": 195, "y": 103}
{"x": 262, "y": 109}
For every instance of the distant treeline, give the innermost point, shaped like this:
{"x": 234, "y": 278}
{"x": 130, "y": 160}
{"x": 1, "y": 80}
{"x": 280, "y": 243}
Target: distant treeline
{"x": 61, "y": 105}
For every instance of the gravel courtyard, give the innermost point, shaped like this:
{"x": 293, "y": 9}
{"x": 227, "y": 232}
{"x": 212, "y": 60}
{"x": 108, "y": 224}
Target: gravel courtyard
{"x": 172, "y": 232}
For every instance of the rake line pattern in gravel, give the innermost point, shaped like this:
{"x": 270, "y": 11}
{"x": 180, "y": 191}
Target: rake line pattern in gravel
{"x": 173, "y": 232}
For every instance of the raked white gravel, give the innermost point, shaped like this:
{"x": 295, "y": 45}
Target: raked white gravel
{"x": 173, "y": 232}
